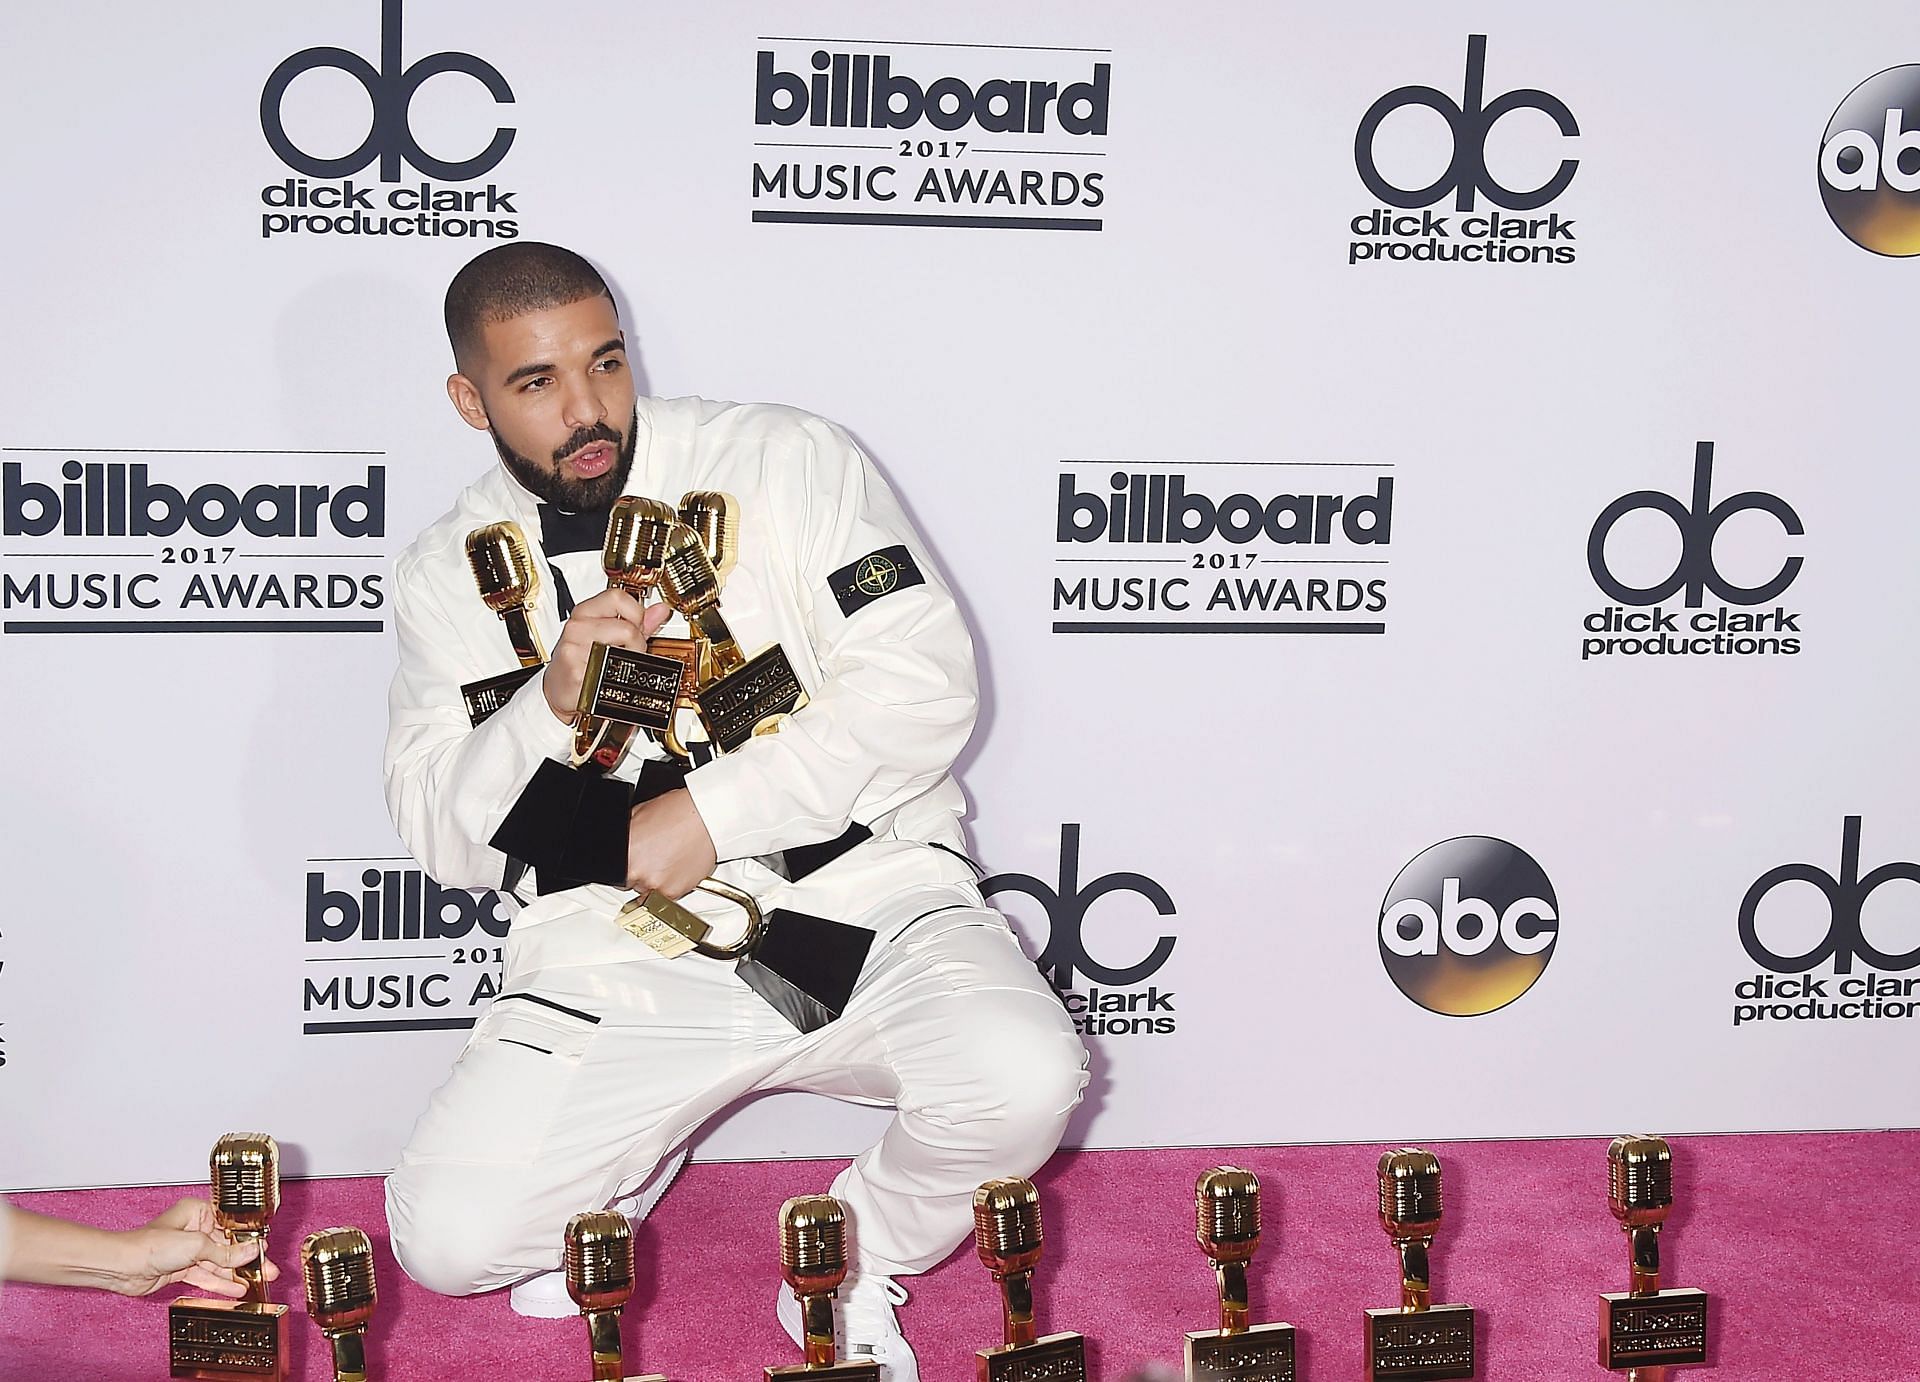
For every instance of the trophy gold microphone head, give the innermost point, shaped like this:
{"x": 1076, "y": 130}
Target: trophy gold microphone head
{"x": 715, "y": 517}
{"x": 502, "y": 567}
{"x": 246, "y": 1181}
{"x": 813, "y": 1244}
{"x": 1409, "y": 1193}
{"x": 687, "y": 577}
{"x": 337, "y": 1265}
{"x": 599, "y": 1259}
{"x": 637, "y": 535}
{"x": 1227, "y": 1204}
{"x": 1639, "y": 1181}
{"x": 1006, "y": 1225}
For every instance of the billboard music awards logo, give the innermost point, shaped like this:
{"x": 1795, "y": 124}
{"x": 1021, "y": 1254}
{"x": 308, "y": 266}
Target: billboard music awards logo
{"x": 1870, "y": 163}
{"x": 1105, "y": 999}
{"x": 1468, "y": 926}
{"x": 967, "y": 135}
{"x": 190, "y": 542}
{"x": 1225, "y": 547}
{"x": 1803, "y": 917}
{"x": 391, "y": 950}
{"x": 1645, "y": 622}
{"x": 409, "y": 193}
{"x": 1407, "y": 227}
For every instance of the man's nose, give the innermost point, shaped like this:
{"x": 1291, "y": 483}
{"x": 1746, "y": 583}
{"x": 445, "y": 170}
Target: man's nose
{"x": 581, "y": 406}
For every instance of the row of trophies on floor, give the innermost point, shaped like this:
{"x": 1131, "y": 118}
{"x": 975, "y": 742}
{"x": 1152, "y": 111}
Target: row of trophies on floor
{"x": 1642, "y": 1330}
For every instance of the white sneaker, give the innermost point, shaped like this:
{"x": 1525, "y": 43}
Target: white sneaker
{"x": 864, "y": 1325}
{"x": 544, "y": 1295}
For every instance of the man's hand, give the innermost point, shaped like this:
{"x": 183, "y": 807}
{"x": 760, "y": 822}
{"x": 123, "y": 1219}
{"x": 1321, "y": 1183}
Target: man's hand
{"x": 185, "y": 1244}
{"x": 612, "y": 617}
{"x": 668, "y": 846}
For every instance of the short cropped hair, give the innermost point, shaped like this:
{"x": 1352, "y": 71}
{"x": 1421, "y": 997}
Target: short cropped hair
{"x": 510, "y": 281}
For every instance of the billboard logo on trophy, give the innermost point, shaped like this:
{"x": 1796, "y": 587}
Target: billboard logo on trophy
{"x": 1398, "y": 168}
{"x": 329, "y": 198}
{"x": 1799, "y": 918}
{"x": 1870, "y": 163}
{"x": 1468, "y": 926}
{"x": 1105, "y": 999}
{"x": 1629, "y": 550}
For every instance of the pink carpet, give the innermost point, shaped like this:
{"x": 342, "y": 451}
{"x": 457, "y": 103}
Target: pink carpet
{"x": 1810, "y": 1259}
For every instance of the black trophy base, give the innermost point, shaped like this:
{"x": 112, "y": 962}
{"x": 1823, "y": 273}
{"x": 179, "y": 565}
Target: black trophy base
{"x": 1420, "y": 1345}
{"x": 487, "y": 697}
{"x": 1668, "y": 1329}
{"x": 806, "y": 966}
{"x": 226, "y": 1339}
{"x": 571, "y": 823}
{"x": 1052, "y": 1358}
{"x": 733, "y": 707}
{"x": 1262, "y": 1353}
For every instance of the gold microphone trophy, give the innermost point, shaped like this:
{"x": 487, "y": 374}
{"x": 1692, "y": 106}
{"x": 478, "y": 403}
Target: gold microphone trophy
{"x": 624, "y": 689}
{"x": 1227, "y": 1207}
{"x": 1007, "y": 1235}
{"x": 714, "y": 518}
{"x": 813, "y": 1259}
{"x": 1645, "y": 1330}
{"x": 738, "y": 696}
{"x": 599, "y": 1260}
{"x": 247, "y": 1337}
{"x": 509, "y": 583}
{"x": 337, "y": 1266}
{"x": 1419, "y": 1342}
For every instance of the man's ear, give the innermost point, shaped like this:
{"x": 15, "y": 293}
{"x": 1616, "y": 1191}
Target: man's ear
{"x": 466, "y": 401}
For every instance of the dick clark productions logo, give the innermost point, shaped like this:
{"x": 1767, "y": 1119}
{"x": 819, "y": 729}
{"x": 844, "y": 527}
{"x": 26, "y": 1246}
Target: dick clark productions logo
{"x": 1489, "y": 237}
{"x": 1115, "y": 1003}
{"x": 1870, "y": 163}
{"x": 1468, "y": 926}
{"x": 1645, "y": 622}
{"x": 330, "y": 199}
{"x": 391, "y": 88}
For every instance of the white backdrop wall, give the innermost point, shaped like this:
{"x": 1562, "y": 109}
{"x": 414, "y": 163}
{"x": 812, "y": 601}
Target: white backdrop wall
{"x": 1215, "y": 820}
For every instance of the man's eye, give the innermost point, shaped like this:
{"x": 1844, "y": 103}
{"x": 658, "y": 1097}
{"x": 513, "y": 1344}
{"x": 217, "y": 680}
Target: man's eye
{"x": 539, "y": 381}
{"x": 610, "y": 364}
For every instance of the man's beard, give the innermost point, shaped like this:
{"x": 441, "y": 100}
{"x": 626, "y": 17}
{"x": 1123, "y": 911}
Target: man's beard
{"x": 553, "y": 484}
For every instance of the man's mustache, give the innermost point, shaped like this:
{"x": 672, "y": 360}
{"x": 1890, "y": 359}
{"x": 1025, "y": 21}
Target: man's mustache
{"x": 587, "y": 436}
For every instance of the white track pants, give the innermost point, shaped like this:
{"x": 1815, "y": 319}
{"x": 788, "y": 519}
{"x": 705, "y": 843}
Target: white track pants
{"x": 567, "y": 1096}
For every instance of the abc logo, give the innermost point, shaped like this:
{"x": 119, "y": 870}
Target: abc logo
{"x": 1699, "y": 523}
{"x": 1870, "y": 163}
{"x": 1468, "y": 926}
{"x": 1470, "y": 120}
{"x": 391, "y": 88}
